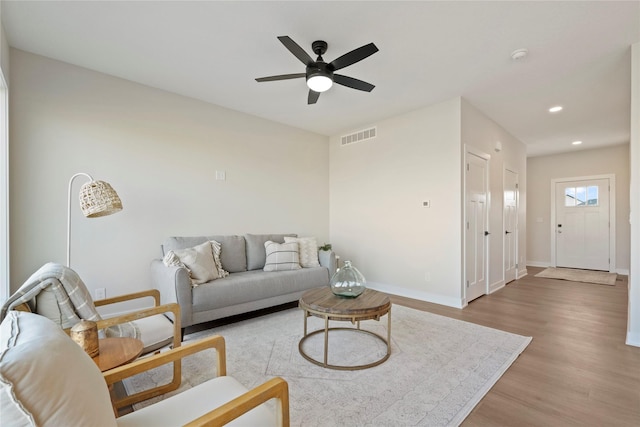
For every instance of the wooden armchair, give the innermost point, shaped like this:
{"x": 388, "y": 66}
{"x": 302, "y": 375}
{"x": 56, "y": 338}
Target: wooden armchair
{"x": 48, "y": 380}
{"x": 151, "y": 322}
{"x": 57, "y": 292}
{"x": 229, "y": 398}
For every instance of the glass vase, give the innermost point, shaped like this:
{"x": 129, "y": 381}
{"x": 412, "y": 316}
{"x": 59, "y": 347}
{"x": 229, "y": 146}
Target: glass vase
{"x": 348, "y": 281}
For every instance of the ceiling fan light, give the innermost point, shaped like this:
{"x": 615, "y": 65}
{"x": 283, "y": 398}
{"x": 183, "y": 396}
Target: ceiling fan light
{"x": 319, "y": 82}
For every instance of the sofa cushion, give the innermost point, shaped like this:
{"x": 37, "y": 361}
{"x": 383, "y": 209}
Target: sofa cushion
{"x": 256, "y": 254}
{"x": 233, "y": 255}
{"x": 46, "y": 379}
{"x": 281, "y": 256}
{"x": 308, "y": 250}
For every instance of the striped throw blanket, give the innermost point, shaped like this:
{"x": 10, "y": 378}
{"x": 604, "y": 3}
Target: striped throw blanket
{"x": 72, "y": 295}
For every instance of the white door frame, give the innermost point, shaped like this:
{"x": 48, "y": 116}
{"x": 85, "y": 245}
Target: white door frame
{"x": 516, "y": 236}
{"x": 4, "y": 191}
{"x": 612, "y": 214}
{"x": 471, "y": 150}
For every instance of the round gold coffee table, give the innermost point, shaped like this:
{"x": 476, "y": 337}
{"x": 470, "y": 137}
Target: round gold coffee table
{"x": 322, "y": 303}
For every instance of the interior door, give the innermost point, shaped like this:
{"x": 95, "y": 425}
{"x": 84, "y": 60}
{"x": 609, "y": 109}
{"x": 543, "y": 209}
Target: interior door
{"x": 510, "y": 226}
{"x": 582, "y": 224}
{"x": 476, "y": 184}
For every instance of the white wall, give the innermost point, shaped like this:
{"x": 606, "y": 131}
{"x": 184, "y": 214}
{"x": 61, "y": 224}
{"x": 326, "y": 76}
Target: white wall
{"x": 160, "y": 152}
{"x": 377, "y": 189}
{"x": 633, "y": 324}
{"x": 542, "y": 170}
{"x": 482, "y": 133}
{"x": 4, "y": 50}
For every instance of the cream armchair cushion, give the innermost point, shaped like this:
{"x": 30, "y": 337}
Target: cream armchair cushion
{"x": 46, "y": 379}
{"x": 181, "y": 408}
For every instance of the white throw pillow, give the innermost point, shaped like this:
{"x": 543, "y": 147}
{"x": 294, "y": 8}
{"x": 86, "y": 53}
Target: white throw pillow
{"x": 281, "y": 256}
{"x": 217, "y": 250}
{"x": 308, "y": 250}
{"x": 198, "y": 260}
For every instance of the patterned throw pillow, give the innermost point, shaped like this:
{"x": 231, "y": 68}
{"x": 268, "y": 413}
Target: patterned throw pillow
{"x": 308, "y": 250}
{"x": 197, "y": 260}
{"x": 281, "y": 256}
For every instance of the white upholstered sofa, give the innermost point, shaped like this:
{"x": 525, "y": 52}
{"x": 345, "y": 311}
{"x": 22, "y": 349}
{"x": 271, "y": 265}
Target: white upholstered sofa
{"x": 46, "y": 379}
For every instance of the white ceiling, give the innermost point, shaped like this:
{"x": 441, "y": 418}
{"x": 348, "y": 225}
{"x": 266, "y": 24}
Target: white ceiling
{"x": 579, "y": 57}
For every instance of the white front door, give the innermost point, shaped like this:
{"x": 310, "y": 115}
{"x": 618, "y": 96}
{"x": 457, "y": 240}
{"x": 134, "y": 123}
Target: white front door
{"x": 510, "y": 225}
{"x": 582, "y": 224}
{"x": 476, "y": 183}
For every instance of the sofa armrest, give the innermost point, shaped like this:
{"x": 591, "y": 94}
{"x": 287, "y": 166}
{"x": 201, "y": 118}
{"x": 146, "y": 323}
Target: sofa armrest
{"x": 328, "y": 259}
{"x": 174, "y": 285}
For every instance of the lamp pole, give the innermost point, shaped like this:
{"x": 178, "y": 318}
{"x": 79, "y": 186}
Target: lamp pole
{"x": 69, "y": 214}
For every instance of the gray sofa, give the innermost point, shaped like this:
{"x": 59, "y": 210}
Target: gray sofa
{"x": 247, "y": 287}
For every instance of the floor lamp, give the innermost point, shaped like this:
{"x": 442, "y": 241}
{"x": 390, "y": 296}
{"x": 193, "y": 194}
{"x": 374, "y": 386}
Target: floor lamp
{"x": 97, "y": 198}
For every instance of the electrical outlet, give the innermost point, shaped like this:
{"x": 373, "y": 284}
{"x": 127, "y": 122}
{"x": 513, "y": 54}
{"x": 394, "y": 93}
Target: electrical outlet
{"x": 101, "y": 293}
{"x": 427, "y": 277}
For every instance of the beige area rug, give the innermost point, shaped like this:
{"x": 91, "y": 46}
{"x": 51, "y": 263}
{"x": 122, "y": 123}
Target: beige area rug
{"x": 438, "y": 371}
{"x": 574, "y": 275}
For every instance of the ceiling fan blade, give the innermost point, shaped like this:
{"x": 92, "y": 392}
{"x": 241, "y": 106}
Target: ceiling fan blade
{"x": 313, "y": 97}
{"x": 354, "y": 56}
{"x": 352, "y": 83}
{"x": 297, "y": 51}
{"x": 280, "y": 77}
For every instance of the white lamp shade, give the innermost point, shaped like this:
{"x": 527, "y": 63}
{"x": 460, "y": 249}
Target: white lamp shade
{"x": 319, "y": 83}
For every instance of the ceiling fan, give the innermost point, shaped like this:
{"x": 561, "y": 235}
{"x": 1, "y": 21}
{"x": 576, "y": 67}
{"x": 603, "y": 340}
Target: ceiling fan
{"x": 320, "y": 75}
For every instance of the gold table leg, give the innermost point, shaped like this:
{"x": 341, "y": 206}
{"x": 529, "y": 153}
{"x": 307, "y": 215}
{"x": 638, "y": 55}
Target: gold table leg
{"x": 326, "y": 329}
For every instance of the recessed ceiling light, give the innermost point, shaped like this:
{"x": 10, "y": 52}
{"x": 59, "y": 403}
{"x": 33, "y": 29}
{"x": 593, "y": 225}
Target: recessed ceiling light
{"x": 576, "y": 142}
{"x": 555, "y": 109}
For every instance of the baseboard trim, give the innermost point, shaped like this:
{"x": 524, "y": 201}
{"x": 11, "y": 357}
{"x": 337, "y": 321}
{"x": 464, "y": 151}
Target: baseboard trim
{"x": 522, "y": 273}
{"x": 419, "y": 295}
{"x": 622, "y": 271}
{"x": 496, "y": 286}
{"x": 544, "y": 264}
{"x": 633, "y": 338}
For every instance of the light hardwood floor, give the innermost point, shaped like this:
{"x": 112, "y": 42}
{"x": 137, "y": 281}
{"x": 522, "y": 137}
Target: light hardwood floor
{"x": 577, "y": 371}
